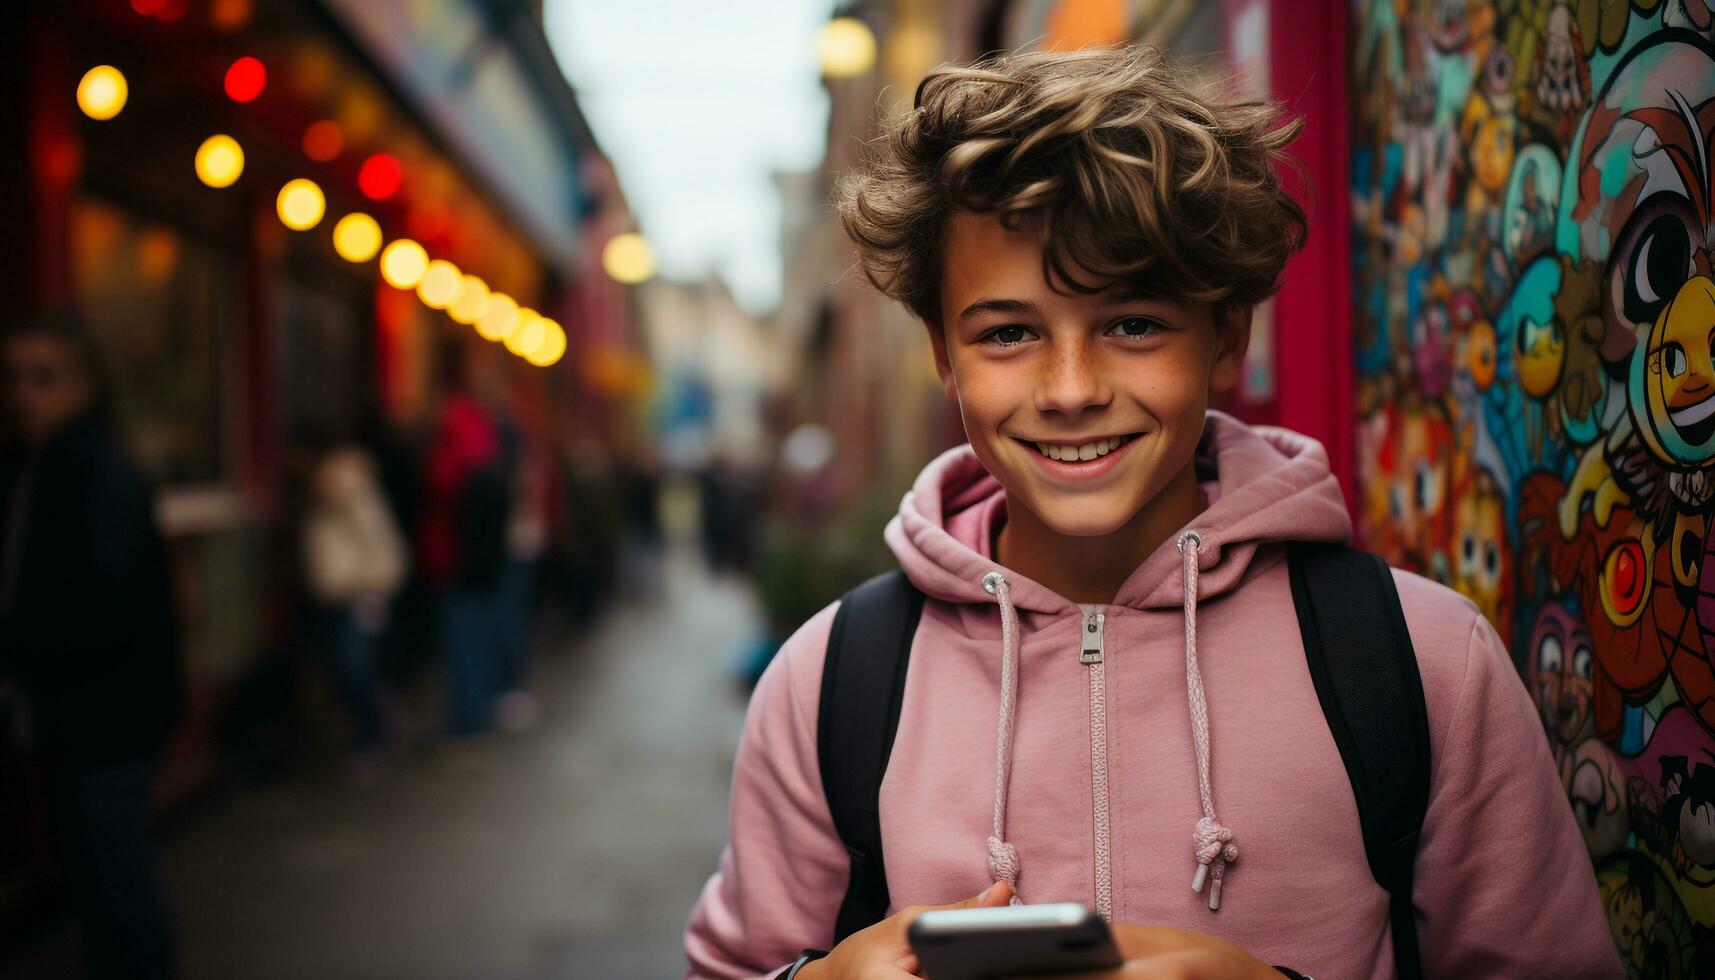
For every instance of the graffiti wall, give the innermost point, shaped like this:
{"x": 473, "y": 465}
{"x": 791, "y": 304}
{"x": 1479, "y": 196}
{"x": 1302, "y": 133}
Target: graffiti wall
{"x": 1534, "y": 206}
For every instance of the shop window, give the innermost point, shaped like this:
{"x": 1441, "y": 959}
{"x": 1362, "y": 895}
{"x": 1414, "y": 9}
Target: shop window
{"x": 164, "y": 307}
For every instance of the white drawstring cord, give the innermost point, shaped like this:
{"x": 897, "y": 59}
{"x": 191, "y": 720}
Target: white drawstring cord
{"x": 1210, "y": 841}
{"x": 1003, "y": 857}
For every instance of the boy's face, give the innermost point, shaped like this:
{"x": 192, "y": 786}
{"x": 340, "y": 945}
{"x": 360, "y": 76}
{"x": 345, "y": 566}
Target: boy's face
{"x": 1114, "y": 384}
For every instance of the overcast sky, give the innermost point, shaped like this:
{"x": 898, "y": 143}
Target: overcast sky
{"x": 698, "y": 102}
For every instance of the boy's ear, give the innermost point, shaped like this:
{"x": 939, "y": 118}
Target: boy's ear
{"x": 1232, "y": 340}
{"x": 943, "y": 366}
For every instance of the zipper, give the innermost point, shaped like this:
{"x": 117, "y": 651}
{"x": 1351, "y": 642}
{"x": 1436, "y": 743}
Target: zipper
{"x": 1092, "y": 654}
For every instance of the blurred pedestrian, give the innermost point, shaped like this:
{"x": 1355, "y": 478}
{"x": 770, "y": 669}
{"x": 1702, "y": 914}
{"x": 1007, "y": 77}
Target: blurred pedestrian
{"x": 354, "y": 564}
{"x": 87, "y": 628}
{"x": 526, "y": 542}
{"x": 469, "y": 487}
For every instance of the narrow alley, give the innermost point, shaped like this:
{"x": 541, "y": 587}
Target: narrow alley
{"x": 574, "y": 850}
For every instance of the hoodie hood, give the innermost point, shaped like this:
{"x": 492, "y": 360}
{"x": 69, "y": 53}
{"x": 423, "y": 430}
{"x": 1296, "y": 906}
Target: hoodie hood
{"x": 1267, "y": 486}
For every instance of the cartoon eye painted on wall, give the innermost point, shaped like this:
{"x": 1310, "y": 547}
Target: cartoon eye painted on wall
{"x": 1491, "y": 561}
{"x": 1548, "y": 655}
{"x": 1480, "y": 353}
{"x": 1423, "y": 487}
{"x": 1658, "y": 264}
{"x": 1624, "y": 582}
{"x": 1499, "y": 71}
{"x": 1673, "y": 360}
{"x": 1582, "y": 662}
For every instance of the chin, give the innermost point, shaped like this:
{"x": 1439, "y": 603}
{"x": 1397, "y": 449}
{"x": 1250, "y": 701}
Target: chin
{"x": 1080, "y": 519}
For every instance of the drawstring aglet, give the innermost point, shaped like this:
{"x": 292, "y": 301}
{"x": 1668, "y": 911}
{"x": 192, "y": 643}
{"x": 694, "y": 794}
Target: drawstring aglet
{"x": 1200, "y": 879}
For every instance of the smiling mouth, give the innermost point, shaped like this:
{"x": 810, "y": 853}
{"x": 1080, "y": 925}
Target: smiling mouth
{"x": 1695, "y": 422}
{"x": 1081, "y": 452}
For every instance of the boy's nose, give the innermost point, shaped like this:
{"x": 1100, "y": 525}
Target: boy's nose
{"x": 1071, "y": 382}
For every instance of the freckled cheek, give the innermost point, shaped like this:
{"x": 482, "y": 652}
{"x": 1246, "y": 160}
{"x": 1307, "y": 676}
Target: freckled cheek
{"x": 1177, "y": 391}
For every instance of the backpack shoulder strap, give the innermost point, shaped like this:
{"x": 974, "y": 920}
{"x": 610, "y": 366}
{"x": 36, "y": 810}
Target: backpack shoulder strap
{"x": 863, "y": 683}
{"x": 1365, "y": 671}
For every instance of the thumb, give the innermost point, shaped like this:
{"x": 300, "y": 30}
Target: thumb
{"x": 997, "y": 894}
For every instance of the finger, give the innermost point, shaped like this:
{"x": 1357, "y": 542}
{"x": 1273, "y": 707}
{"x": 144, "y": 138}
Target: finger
{"x": 998, "y": 893}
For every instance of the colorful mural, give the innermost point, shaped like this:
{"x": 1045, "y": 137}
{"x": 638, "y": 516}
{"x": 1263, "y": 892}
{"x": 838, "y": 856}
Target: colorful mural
{"x": 1533, "y": 199}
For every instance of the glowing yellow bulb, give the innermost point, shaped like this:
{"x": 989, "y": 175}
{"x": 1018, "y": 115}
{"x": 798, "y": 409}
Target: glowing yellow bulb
{"x": 403, "y": 264}
{"x": 440, "y": 285}
{"x": 102, "y": 92}
{"x": 301, "y": 204}
{"x": 552, "y": 347}
{"x": 357, "y": 237}
{"x": 628, "y": 258}
{"x": 467, "y": 304}
{"x": 528, "y": 335}
{"x": 219, "y": 161}
{"x": 498, "y": 317}
{"x": 847, "y": 47}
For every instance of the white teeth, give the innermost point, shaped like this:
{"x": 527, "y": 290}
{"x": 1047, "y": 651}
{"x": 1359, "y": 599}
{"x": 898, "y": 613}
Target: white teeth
{"x": 1084, "y": 453}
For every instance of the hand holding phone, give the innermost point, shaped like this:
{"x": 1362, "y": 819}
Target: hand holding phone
{"x": 986, "y": 943}
{"x": 883, "y": 949}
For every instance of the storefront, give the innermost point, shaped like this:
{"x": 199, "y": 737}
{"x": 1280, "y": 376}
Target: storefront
{"x": 194, "y": 213}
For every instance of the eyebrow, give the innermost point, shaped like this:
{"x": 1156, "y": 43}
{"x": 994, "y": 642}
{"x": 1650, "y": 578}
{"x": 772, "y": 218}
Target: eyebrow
{"x": 990, "y": 305}
{"x": 1018, "y": 306}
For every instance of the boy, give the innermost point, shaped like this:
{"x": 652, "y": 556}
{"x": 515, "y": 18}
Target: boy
{"x": 1084, "y": 239}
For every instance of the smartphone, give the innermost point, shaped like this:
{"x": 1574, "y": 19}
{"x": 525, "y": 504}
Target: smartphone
{"x": 1013, "y": 940}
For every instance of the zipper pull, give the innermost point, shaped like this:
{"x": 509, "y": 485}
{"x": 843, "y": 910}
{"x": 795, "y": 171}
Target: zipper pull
{"x": 1092, "y": 646}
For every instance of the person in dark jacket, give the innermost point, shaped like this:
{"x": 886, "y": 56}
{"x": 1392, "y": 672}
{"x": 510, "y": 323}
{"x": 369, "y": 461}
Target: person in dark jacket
{"x": 87, "y": 632}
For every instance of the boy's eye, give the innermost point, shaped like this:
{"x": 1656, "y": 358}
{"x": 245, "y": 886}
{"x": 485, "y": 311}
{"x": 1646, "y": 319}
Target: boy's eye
{"x": 1135, "y": 327}
{"x": 1010, "y": 335}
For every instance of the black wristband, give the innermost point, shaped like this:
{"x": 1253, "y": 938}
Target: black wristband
{"x": 1290, "y": 974}
{"x": 808, "y": 956}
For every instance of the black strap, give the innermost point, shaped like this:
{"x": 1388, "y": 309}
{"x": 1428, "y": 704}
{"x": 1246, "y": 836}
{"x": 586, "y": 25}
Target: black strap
{"x": 863, "y": 680}
{"x": 1365, "y": 670}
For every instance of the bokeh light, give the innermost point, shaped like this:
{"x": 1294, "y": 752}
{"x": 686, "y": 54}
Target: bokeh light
{"x": 219, "y": 161}
{"x": 467, "y": 305}
{"x": 498, "y": 317}
{"x": 628, "y": 258}
{"x": 380, "y": 176}
{"x": 528, "y": 335}
{"x": 357, "y": 237}
{"x": 323, "y": 140}
{"x": 847, "y": 47}
{"x": 440, "y": 285}
{"x": 246, "y": 79}
{"x": 552, "y": 346}
{"x": 229, "y": 15}
{"x": 301, "y": 204}
{"x": 403, "y": 264}
{"x": 102, "y": 92}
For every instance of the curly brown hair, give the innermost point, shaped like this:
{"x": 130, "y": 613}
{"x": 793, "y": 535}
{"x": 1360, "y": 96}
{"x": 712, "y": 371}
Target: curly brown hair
{"x": 1126, "y": 175}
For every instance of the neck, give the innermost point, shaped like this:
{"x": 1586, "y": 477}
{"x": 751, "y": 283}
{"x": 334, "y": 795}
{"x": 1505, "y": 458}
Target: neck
{"x": 1091, "y": 570}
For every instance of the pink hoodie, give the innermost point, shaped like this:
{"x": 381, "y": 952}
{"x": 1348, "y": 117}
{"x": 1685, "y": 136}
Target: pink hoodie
{"x": 1088, "y": 787}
